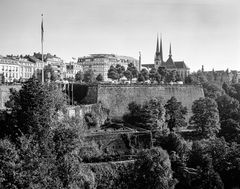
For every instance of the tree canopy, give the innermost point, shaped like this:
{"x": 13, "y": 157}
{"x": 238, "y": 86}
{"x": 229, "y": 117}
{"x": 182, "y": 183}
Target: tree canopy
{"x": 175, "y": 114}
{"x": 205, "y": 117}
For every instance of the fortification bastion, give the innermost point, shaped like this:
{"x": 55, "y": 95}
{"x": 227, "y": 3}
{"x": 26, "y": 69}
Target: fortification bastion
{"x": 117, "y": 97}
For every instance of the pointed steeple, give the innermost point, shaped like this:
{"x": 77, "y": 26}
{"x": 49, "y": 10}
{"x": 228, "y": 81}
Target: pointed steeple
{"x": 157, "y": 48}
{"x": 170, "y": 50}
{"x": 170, "y": 63}
{"x": 161, "y": 51}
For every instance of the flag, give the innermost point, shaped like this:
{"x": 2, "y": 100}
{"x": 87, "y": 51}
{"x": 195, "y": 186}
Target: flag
{"x": 42, "y": 30}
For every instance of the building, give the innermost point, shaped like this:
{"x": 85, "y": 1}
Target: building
{"x": 38, "y": 66}
{"x": 222, "y": 76}
{"x": 179, "y": 66}
{"x": 100, "y": 63}
{"x": 27, "y": 68}
{"x": 72, "y": 68}
{"x": 57, "y": 65}
{"x": 9, "y": 69}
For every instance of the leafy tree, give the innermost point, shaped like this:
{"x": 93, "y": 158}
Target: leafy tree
{"x": 171, "y": 76}
{"x": 201, "y": 159}
{"x": 189, "y": 79}
{"x": 163, "y": 72}
{"x": 141, "y": 78}
{"x": 175, "y": 114}
{"x": 99, "y": 77}
{"x": 230, "y": 130}
{"x": 152, "y": 74}
{"x": 9, "y": 163}
{"x": 145, "y": 74}
{"x": 158, "y": 77}
{"x": 34, "y": 108}
{"x": 230, "y": 90}
{"x": 42, "y": 153}
{"x": 212, "y": 90}
{"x": 153, "y": 170}
{"x": 216, "y": 157}
{"x": 120, "y": 70}
{"x": 89, "y": 76}
{"x": 150, "y": 116}
{"x": 79, "y": 76}
{"x": 133, "y": 70}
{"x": 228, "y": 108}
{"x": 178, "y": 77}
{"x": 128, "y": 75}
{"x": 205, "y": 117}
{"x": 113, "y": 73}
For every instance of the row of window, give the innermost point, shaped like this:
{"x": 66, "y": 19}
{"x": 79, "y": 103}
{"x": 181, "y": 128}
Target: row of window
{"x": 10, "y": 68}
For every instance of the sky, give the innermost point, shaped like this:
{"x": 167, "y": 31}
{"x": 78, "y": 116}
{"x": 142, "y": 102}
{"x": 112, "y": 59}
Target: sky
{"x": 202, "y": 32}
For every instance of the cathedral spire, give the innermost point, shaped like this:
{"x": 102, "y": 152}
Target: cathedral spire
{"x": 158, "y": 60}
{"x": 170, "y": 51}
{"x": 161, "y": 52}
{"x": 157, "y": 48}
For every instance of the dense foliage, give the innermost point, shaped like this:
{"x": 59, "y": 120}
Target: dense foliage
{"x": 42, "y": 148}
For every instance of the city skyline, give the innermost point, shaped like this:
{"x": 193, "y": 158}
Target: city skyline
{"x": 201, "y": 32}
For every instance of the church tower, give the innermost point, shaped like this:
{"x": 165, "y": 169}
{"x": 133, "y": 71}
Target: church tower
{"x": 158, "y": 60}
{"x": 170, "y": 63}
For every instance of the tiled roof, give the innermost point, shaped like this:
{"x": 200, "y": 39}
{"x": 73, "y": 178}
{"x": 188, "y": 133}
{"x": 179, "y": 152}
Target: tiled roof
{"x": 180, "y": 64}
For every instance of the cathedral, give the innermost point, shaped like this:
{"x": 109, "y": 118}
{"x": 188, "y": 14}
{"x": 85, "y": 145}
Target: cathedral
{"x": 179, "y": 66}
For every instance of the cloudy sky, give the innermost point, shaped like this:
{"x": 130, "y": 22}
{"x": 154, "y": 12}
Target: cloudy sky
{"x": 202, "y": 32}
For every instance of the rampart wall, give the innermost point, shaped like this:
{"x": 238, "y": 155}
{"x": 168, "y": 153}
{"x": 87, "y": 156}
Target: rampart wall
{"x": 117, "y": 97}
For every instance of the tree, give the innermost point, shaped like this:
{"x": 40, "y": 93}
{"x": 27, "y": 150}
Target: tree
{"x": 9, "y": 163}
{"x": 133, "y": 70}
{"x": 158, "y": 77}
{"x": 34, "y": 108}
{"x": 149, "y": 116}
{"x": 201, "y": 159}
{"x": 113, "y": 73}
{"x": 229, "y": 90}
{"x": 171, "y": 76}
{"x": 128, "y": 75}
{"x": 79, "y": 76}
{"x": 152, "y": 74}
{"x": 153, "y": 170}
{"x": 99, "y": 77}
{"x": 163, "y": 72}
{"x": 41, "y": 155}
{"x": 89, "y": 76}
{"x": 230, "y": 130}
{"x": 205, "y": 117}
{"x": 141, "y": 78}
{"x": 188, "y": 79}
{"x": 145, "y": 74}
{"x": 120, "y": 70}
{"x": 212, "y": 90}
{"x": 228, "y": 107}
{"x": 175, "y": 114}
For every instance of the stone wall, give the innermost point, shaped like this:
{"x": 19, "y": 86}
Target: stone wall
{"x": 117, "y": 97}
{"x": 5, "y": 93}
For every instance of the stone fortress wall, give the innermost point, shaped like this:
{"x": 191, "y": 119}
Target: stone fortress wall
{"x": 117, "y": 97}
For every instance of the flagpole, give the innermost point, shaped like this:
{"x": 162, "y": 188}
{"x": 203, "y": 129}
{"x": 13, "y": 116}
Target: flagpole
{"x": 42, "y": 49}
